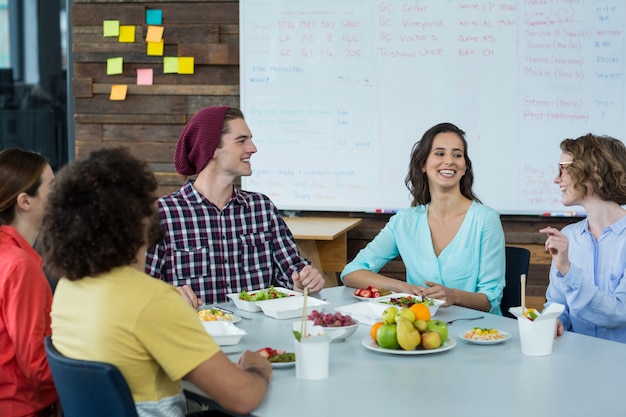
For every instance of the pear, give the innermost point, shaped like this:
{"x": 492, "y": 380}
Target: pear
{"x": 408, "y": 336}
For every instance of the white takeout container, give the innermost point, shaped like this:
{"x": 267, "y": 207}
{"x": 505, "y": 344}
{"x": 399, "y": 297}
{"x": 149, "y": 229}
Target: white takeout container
{"x": 537, "y": 336}
{"x": 366, "y": 313}
{"x": 312, "y": 357}
{"x": 290, "y": 307}
{"x": 386, "y": 298}
{"x": 253, "y": 306}
{"x": 223, "y": 332}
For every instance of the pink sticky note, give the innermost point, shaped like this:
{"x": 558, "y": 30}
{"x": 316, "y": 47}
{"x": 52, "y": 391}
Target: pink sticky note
{"x": 144, "y": 76}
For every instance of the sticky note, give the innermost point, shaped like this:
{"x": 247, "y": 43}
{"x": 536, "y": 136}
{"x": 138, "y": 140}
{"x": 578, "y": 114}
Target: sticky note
{"x": 154, "y": 17}
{"x": 110, "y": 28}
{"x": 155, "y": 34}
{"x": 127, "y": 33}
{"x": 185, "y": 65}
{"x": 155, "y": 48}
{"x": 170, "y": 65}
{"x": 115, "y": 65}
{"x": 118, "y": 92}
{"x": 144, "y": 76}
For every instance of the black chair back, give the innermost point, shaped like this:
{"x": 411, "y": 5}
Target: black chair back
{"x": 517, "y": 263}
{"x": 88, "y": 388}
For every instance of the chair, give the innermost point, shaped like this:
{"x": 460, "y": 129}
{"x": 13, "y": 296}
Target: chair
{"x": 517, "y": 263}
{"x": 87, "y": 388}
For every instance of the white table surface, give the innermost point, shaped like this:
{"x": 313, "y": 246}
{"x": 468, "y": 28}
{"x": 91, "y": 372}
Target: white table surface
{"x": 584, "y": 376}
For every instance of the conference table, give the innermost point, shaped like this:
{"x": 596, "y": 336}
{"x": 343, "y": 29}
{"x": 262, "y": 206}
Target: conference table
{"x": 584, "y": 376}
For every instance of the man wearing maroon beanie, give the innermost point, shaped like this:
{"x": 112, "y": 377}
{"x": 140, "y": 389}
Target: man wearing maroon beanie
{"x": 221, "y": 239}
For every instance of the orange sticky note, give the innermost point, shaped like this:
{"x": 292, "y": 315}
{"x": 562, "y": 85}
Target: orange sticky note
{"x": 155, "y": 34}
{"x": 144, "y": 76}
{"x": 155, "y": 48}
{"x": 185, "y": 65}
{"x": 118, "y": 92}
{"x": 127, "y": 34}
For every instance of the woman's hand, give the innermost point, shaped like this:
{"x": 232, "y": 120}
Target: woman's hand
{"x": 557, "y": 245}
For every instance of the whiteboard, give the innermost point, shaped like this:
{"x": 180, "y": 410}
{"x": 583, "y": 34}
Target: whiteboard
{"x": 337, "y": 92}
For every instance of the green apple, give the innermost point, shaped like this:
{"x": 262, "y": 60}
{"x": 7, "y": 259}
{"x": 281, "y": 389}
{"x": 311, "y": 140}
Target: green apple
{"x": 389, "y": 315}
{"x": 431, "y": 340}
{"x": 420, "y": 325}
{"x": 440, "y": 327}
{"x": 405, "y": 313}
{"x": 387, "y": 336}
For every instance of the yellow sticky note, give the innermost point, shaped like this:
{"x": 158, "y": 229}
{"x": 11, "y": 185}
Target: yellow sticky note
{"x": 110, "y": 28}
{"x": 155, "y": 34}
{"x": 170, "y": 65}
{"x": 115, "y": 65}
{"x": 118, "y": 92}
{"x": 155, "y": 48}
{"x": 185, "y": 65}
{"x": 144, "y": 76}
{"x": 127, "y": 33}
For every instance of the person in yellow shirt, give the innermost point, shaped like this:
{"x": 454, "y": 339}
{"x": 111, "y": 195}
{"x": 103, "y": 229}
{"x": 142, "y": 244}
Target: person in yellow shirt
{"x": 102, "y": 218}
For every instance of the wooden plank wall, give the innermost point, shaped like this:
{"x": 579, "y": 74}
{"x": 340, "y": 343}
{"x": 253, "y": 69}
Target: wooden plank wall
{"x": 151, "y": 118}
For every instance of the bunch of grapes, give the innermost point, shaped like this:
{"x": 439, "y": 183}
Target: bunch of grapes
{"x": 330, "y": 320}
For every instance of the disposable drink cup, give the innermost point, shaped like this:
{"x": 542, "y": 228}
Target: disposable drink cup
{"x": 312, "y": 357}
{"x": 537, "y": 337}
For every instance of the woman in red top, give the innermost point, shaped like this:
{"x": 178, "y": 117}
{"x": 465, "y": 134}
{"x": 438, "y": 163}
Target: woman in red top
{"x": 26, "y": 386}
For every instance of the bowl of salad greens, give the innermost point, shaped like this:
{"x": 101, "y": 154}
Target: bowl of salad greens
{"x": 248, "y": 300}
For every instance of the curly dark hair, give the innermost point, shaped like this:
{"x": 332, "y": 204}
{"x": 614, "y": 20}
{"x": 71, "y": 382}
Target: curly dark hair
{"x": 98, "y": 213}
{"x": 417, "y": 181}
{"x": 600, "y": 160}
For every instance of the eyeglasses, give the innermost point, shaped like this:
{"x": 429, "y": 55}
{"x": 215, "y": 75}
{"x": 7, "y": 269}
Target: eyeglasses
{"x": 563, "y": 166}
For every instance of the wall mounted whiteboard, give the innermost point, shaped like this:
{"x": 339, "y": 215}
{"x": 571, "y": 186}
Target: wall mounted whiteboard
{"x": 337, "y": 92}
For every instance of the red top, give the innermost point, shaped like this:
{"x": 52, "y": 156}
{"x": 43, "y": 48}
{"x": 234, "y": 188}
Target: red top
{"x": 26, "y": 385}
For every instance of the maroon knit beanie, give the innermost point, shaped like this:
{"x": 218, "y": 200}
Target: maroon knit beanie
{"x": 199, "y": 139}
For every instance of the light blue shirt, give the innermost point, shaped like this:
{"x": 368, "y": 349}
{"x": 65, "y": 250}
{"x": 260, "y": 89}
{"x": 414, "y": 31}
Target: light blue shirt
{"x": 594, "y": 289}
{"x": 473, "y": 261}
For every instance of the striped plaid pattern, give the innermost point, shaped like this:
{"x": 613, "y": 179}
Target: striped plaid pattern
{"x": 245, "y": 246}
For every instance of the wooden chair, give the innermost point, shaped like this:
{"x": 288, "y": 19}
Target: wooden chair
{"x": 88, "y": 388}
{"x": 517, "y": 263}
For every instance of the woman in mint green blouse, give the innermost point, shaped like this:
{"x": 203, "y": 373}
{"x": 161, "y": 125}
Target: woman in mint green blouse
{"x": 451, "y": 244}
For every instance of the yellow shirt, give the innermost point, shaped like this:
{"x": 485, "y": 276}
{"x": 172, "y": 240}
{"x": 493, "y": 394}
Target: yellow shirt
{"x": 140, "y": 324}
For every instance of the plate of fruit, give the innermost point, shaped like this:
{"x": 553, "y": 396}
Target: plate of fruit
{"x": 484, "y": 336}
{"x": 401, "y": 331}
{"x": 279, "y": 358}
{"x": 370, "y": 292}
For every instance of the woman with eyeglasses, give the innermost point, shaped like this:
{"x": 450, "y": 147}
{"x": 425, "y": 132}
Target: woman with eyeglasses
{"x": 589, "y": 257}
{"x": 26, "y": 386}
{"x": 452, "y": 246}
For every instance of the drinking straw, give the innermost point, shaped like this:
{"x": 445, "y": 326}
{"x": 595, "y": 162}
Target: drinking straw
{"x": 523, "y": 281}
{"x": 303, "y": 323}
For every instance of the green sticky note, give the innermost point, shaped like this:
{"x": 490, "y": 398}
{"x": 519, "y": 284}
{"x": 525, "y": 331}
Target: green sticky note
{"x": 154, "y": 17}
{"x": 170, "y": 65}
{"x": 115, "y": 66}
{"x": 110, "y": 28}
{"x": 185, "y": 65}
{"x": 127, "y": 33}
